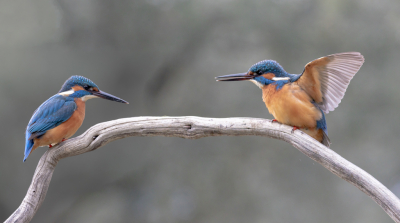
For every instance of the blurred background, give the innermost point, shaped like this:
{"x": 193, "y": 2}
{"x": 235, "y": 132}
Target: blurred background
{"x": 162, "y": 57}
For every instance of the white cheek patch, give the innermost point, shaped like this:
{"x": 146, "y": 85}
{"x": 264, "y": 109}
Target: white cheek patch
{"x": 257, "y": 83}
{"x": 87, "y": 97}
{"x": 67, "y": 93}
{"x": 280, "y": 78}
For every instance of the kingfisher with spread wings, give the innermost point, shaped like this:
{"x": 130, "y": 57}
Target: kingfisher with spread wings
{"x": 300, "y": 100}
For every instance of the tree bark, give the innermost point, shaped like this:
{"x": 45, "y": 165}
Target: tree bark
{"x": 194, "y": 128}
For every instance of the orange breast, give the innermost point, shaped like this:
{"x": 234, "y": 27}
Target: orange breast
{"x": 291, "y": 105}
{"x": 64, "y": 130}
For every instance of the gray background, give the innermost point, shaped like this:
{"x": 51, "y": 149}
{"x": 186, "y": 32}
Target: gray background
{"x": 162, "y": 57}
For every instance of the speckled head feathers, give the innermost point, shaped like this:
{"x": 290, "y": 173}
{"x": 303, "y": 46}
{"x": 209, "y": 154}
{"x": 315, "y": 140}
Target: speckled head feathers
{"x": 77, "y": 80}
{"x": 268, "y": 66}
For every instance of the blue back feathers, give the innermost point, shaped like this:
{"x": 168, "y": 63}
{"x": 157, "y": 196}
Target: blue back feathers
{"x": 77, "y": 80}
{"x": 50, "y": 114}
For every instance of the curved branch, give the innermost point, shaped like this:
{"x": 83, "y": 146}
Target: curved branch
{"x": 194, "y": 128}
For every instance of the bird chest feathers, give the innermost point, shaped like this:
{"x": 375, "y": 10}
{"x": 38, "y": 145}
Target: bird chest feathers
{"x": 291, "y": 105}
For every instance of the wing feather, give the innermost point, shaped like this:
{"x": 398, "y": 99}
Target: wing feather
{"x": 50, "y": 114}
{"x": 326, "y": 79}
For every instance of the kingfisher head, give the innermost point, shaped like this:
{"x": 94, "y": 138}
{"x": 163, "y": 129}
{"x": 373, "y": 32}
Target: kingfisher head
{"x": 262, "y": 73}
{"x": 83, "y": 88}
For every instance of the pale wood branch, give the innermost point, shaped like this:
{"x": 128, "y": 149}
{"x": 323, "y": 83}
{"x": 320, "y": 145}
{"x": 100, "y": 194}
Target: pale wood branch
{"x": 194, "y": 128}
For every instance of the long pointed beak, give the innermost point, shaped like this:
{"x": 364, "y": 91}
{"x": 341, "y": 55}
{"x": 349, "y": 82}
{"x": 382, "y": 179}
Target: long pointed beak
{"x": 235, "y": 77}
{"x": 102, "y": 94}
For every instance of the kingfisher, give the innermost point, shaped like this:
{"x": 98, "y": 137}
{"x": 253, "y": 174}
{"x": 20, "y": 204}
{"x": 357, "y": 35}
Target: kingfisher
{"x": 302, "y": 100}
{"x": 60, "y": 116}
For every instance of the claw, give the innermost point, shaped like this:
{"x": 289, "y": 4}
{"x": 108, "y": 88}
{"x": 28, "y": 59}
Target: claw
{"x": 56, "y": 143}
{"x": 294, "y": 129}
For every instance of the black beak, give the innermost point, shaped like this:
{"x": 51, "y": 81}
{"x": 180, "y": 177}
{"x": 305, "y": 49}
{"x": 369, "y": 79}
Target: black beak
{"x": 102, "y": 94}
{"x": 235, "y": 77}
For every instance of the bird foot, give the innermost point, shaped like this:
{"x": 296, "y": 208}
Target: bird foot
{"x": 274, "y": 120}
{"x": 294, "y": 129}
{"x": 57, "y": 143}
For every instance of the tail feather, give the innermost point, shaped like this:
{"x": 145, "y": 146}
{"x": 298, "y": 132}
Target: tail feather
{"x": 325, "y": 139}
{"x": 321, "y": 124}
{"x": 28, "y": 146}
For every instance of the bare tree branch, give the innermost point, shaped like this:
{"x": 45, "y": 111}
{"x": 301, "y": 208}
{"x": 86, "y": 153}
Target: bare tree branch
{"x": 194, "y": 128}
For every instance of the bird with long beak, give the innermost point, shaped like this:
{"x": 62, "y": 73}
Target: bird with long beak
{"x": 300, "y": 100}
{"x": 60, "y": 116}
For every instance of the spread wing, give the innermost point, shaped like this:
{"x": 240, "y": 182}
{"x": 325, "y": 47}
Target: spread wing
{"x": 50, "y": 114}
{"x": 326, "y": 79}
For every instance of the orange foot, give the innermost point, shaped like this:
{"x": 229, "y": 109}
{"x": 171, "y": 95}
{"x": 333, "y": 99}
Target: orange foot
{"x": 274, "y": 120}
{"x": 57, "y": 143}
{"x": 295, "y": 128}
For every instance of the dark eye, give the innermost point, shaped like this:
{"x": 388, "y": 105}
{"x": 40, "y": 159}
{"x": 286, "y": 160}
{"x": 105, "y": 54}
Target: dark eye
{"x": 87, "y": 87}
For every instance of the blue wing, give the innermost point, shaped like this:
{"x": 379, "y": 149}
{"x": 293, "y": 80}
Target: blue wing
{"x": 50, "y": 114}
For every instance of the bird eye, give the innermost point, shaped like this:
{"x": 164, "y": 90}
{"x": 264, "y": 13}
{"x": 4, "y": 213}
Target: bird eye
{"x": 88, "y": 88}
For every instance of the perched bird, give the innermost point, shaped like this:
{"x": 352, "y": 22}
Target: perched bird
{"x": 300, "y": 100}
{"x": 60, "y": 116}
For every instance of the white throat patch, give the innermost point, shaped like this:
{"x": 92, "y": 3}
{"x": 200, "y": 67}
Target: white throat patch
{"x": 87, "y": 97}
{"x": 257, "y": 83}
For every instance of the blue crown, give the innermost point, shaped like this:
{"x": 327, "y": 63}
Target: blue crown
{"x": 268, "y": 66}
{"x": 77, "y": 80}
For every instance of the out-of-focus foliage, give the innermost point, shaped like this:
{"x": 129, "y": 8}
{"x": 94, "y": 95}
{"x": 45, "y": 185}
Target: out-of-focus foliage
{"x": 162, "y": 56}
